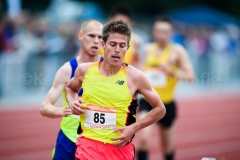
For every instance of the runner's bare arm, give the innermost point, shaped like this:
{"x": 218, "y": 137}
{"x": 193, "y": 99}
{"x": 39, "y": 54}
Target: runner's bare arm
{"x": 73, "y": 87}
{"x": 186, "y": 69}
{"x": 144, "y": 87}
{"x": 47, "y": 108}
{"x": 158, "y": 111}
{"x": 181, "y": 60}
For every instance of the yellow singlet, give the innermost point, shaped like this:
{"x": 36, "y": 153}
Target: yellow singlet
{"x": 162, "y": 83}
{"x": 69, "y": 124}
{"x": 101, "y": 52}
{"x": 109, "y": 104}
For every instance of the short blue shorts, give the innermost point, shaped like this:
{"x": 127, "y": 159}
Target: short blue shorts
{"x": 64, "y": 149}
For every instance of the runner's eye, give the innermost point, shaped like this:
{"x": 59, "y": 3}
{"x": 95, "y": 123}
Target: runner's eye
{"x": 91, "y": 35}
{"x": 112, "y": 44}
{"x": 122, "y": 45}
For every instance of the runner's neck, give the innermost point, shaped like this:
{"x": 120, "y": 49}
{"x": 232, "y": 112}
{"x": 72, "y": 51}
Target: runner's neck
{"x": 84, "y": 58}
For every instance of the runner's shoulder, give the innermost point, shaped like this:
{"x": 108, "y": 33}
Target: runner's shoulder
{"x": 135, "y": 73}
{"x": 178, "y": 48}
{"x": 64, "y": 72}
{"x": 83, "y": 67}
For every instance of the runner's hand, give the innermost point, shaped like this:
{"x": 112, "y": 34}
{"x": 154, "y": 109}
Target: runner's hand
{"x": 164, "y": 68}
{"x": 76, "y": 107}
{"x": 127, "y": 134}
{"x": 66, "y": 111}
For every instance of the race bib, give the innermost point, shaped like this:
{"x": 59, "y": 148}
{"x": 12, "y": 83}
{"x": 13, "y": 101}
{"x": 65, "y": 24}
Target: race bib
{"x": 156, "y": 78}
{"x": 100, "y": 118}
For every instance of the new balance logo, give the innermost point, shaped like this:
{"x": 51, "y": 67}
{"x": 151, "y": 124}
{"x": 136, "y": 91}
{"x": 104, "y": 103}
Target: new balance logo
{"x": 119, "y": 82}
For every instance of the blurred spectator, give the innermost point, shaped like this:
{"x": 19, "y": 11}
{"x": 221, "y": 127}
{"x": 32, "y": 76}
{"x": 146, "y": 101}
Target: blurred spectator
{"x": 219, "y": 44}
{"x": 1, "y": 34}
{"x": 198, "y": 47}
{"x": 179, "y": 33}
{"x": 8, "y": 32}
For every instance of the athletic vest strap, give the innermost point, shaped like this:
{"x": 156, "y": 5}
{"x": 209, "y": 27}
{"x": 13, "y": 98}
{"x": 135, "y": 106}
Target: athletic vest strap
{"x": 74, "y": 65}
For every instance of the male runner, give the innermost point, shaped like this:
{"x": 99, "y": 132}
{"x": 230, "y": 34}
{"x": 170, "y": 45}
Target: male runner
{"x": 165, "y": 64}
{"x": 108, "y": 113}
{"x": 90, "y": 37}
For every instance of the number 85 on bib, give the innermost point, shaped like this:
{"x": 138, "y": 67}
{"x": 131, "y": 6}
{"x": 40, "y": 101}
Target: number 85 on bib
{"x": 100, "y": 118}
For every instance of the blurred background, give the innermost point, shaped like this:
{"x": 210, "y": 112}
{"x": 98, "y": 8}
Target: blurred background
{"x": 37, "y": 37}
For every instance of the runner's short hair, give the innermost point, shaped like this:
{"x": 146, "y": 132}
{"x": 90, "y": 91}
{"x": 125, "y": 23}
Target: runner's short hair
{"x": 116, "y": 26}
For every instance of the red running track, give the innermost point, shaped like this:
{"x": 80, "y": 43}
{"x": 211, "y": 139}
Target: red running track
{"x": 206, "y": 127}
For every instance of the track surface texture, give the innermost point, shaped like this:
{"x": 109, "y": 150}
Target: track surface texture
{"x": 205, "y": 127}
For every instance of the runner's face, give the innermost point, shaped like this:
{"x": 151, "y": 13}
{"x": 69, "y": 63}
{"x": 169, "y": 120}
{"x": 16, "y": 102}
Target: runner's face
{"x": 115, "y": 49}
{"x": 162, "y": 32}
{"x": 91, "y": 39}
